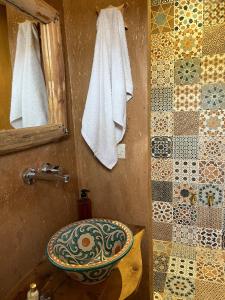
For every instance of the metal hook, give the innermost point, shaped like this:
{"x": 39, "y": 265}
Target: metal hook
{"x": 120, "y": 7}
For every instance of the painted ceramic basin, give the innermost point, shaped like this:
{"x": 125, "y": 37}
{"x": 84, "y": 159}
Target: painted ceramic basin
{"x": 88, "y": 250}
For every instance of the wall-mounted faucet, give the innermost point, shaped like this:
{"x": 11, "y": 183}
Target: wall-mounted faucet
{"x": 46, "y": 172}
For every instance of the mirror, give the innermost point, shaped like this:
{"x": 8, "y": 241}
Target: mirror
{"x": 32, "y": 75}
{"x": 23, "y": 91}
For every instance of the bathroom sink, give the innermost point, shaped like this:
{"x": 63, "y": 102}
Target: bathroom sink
{"x": 88, "y": 250}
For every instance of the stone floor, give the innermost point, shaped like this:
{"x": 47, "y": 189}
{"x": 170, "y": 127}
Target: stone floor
{"x": 188, "y": 273}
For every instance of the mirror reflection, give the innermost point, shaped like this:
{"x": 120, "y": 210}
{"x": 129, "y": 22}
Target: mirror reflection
{"x": 23, "y": 94}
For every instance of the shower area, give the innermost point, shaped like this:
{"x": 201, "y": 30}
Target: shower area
{"x": 187, "y": 86}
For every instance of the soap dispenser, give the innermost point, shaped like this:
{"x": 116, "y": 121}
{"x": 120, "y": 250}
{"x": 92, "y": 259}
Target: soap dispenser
{"x": 84, "y": 205}
{"x": 33, "y": 293}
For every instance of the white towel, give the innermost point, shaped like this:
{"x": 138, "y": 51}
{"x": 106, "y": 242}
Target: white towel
{"x": 29, "y": 102}
{"x": 104, "y": 119}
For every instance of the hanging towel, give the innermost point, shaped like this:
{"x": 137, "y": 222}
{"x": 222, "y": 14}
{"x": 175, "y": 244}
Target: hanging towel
{"x": 104, "y": 119}
{"x": 29, "y": 102}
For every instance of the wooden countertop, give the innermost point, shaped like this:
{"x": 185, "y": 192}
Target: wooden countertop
{"x": 122, "y": 283}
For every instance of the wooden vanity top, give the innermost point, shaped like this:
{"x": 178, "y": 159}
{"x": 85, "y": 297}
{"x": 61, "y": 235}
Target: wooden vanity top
{"x": 122, "y": 283}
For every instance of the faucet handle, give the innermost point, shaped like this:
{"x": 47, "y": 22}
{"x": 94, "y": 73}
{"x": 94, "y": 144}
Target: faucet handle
{"x": 50, "y": 169}
{"x": 193, "y": 199}
{"x": 210, "y": 199}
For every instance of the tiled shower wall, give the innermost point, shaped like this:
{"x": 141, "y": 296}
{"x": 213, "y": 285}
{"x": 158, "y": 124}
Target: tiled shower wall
{"x": 188, "y": 148}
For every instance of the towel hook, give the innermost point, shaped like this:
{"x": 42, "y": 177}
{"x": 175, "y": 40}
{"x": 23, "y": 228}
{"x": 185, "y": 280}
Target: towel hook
{"x": 121, "y": 7}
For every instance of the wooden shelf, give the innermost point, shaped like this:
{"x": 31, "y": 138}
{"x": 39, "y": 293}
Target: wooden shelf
{"x": 122, "y": 283}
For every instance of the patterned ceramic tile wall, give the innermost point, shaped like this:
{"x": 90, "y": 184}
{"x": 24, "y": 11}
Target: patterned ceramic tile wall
{"x": 188, "y": 148}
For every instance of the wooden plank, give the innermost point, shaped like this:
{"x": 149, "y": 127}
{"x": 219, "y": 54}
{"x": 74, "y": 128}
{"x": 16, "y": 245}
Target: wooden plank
{"x": 38, "y": 9}
{"x": 62, "y": 76}
{"x": 54, "y": 72}
{"x": 131, "y": 268}
{"x": 21, "y": 139}
{"x": 122, "y": 283}
{"x": 47, "y": 70}
{"x": 40, "y": 274}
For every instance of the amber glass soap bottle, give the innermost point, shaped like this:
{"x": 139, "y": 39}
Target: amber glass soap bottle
{"x": 84, "y": 205}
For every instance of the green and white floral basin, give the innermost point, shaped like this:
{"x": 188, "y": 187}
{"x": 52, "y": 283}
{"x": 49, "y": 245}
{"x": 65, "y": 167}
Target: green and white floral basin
{"x": 88, "y": 250}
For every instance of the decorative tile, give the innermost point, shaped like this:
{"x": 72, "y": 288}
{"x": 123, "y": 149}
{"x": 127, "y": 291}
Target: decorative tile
{"x": 187, "y": 71}
{"x": 162, "y": 147}
{"x": 180, "y": 286}
{"x": 158, "y": 296}
{"x": 212, "y": 148}
{"x": 182, "y": 267}
{"x": 185, "y": 147}
{"x": 162, "y": 99}
{"x": 162, "y": 46}
{"x": 214, "y": 12}
{"x": 162, "y": 170}
{"x": 211, "y": 172}
{"x": 208, "y": 237}
{"x": 183, "y": 251}
{"x": 213, "y": 96}
{"x": 162, "y": 191}
{"x": 212, "y": 123}
{"x": 184, "y": 214}
{"x": 188, "y": 14}
{"x": 188, "y": 43}
{"x": 209, "y": 217}
{"x": 162, "y": 212}
{"x": 157, "y": 2}
{"x": 211, "y": 189}
{"x": 160, "y": 263}
{"x": 213, "y": 68}
{"x": 184, "y": 191}
{"x": 214, "y": 40}
{"x": 206, "y": 290}
{"x": 187, "y": 97}
{"x": 210, "y": 272}
{"x": 188, "y": 104}
{"x": 223, "y": 240}
{"x": 159, "y": 280}
{"x": 184, "y": 235}
{"x": 185, "y": 171}
{"x": 162, "y": 18}
{"x": 162, "y": 124}
{"x": 162, "y": 247}
{"x": 162, "y": 73}
{"x": 186, "y": 123}
{"x": 206, "y": 255}
{"x": 162, "y": 231}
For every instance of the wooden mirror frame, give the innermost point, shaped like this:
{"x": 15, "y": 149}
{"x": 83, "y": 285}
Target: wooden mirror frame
{"x": 54, "y": 69}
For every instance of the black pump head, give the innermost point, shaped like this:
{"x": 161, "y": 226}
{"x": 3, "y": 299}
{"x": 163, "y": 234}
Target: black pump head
{"x": 84, "y": 193}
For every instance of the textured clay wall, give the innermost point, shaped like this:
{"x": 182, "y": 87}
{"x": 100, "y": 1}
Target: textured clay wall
{"x": 5, "y": 71}
{"x": 188, "y": 146}
{"x": 122, "y": 193}
{"x": 31, "y": 214}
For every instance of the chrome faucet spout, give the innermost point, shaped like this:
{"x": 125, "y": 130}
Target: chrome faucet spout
{"x": 47, "y": 172}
